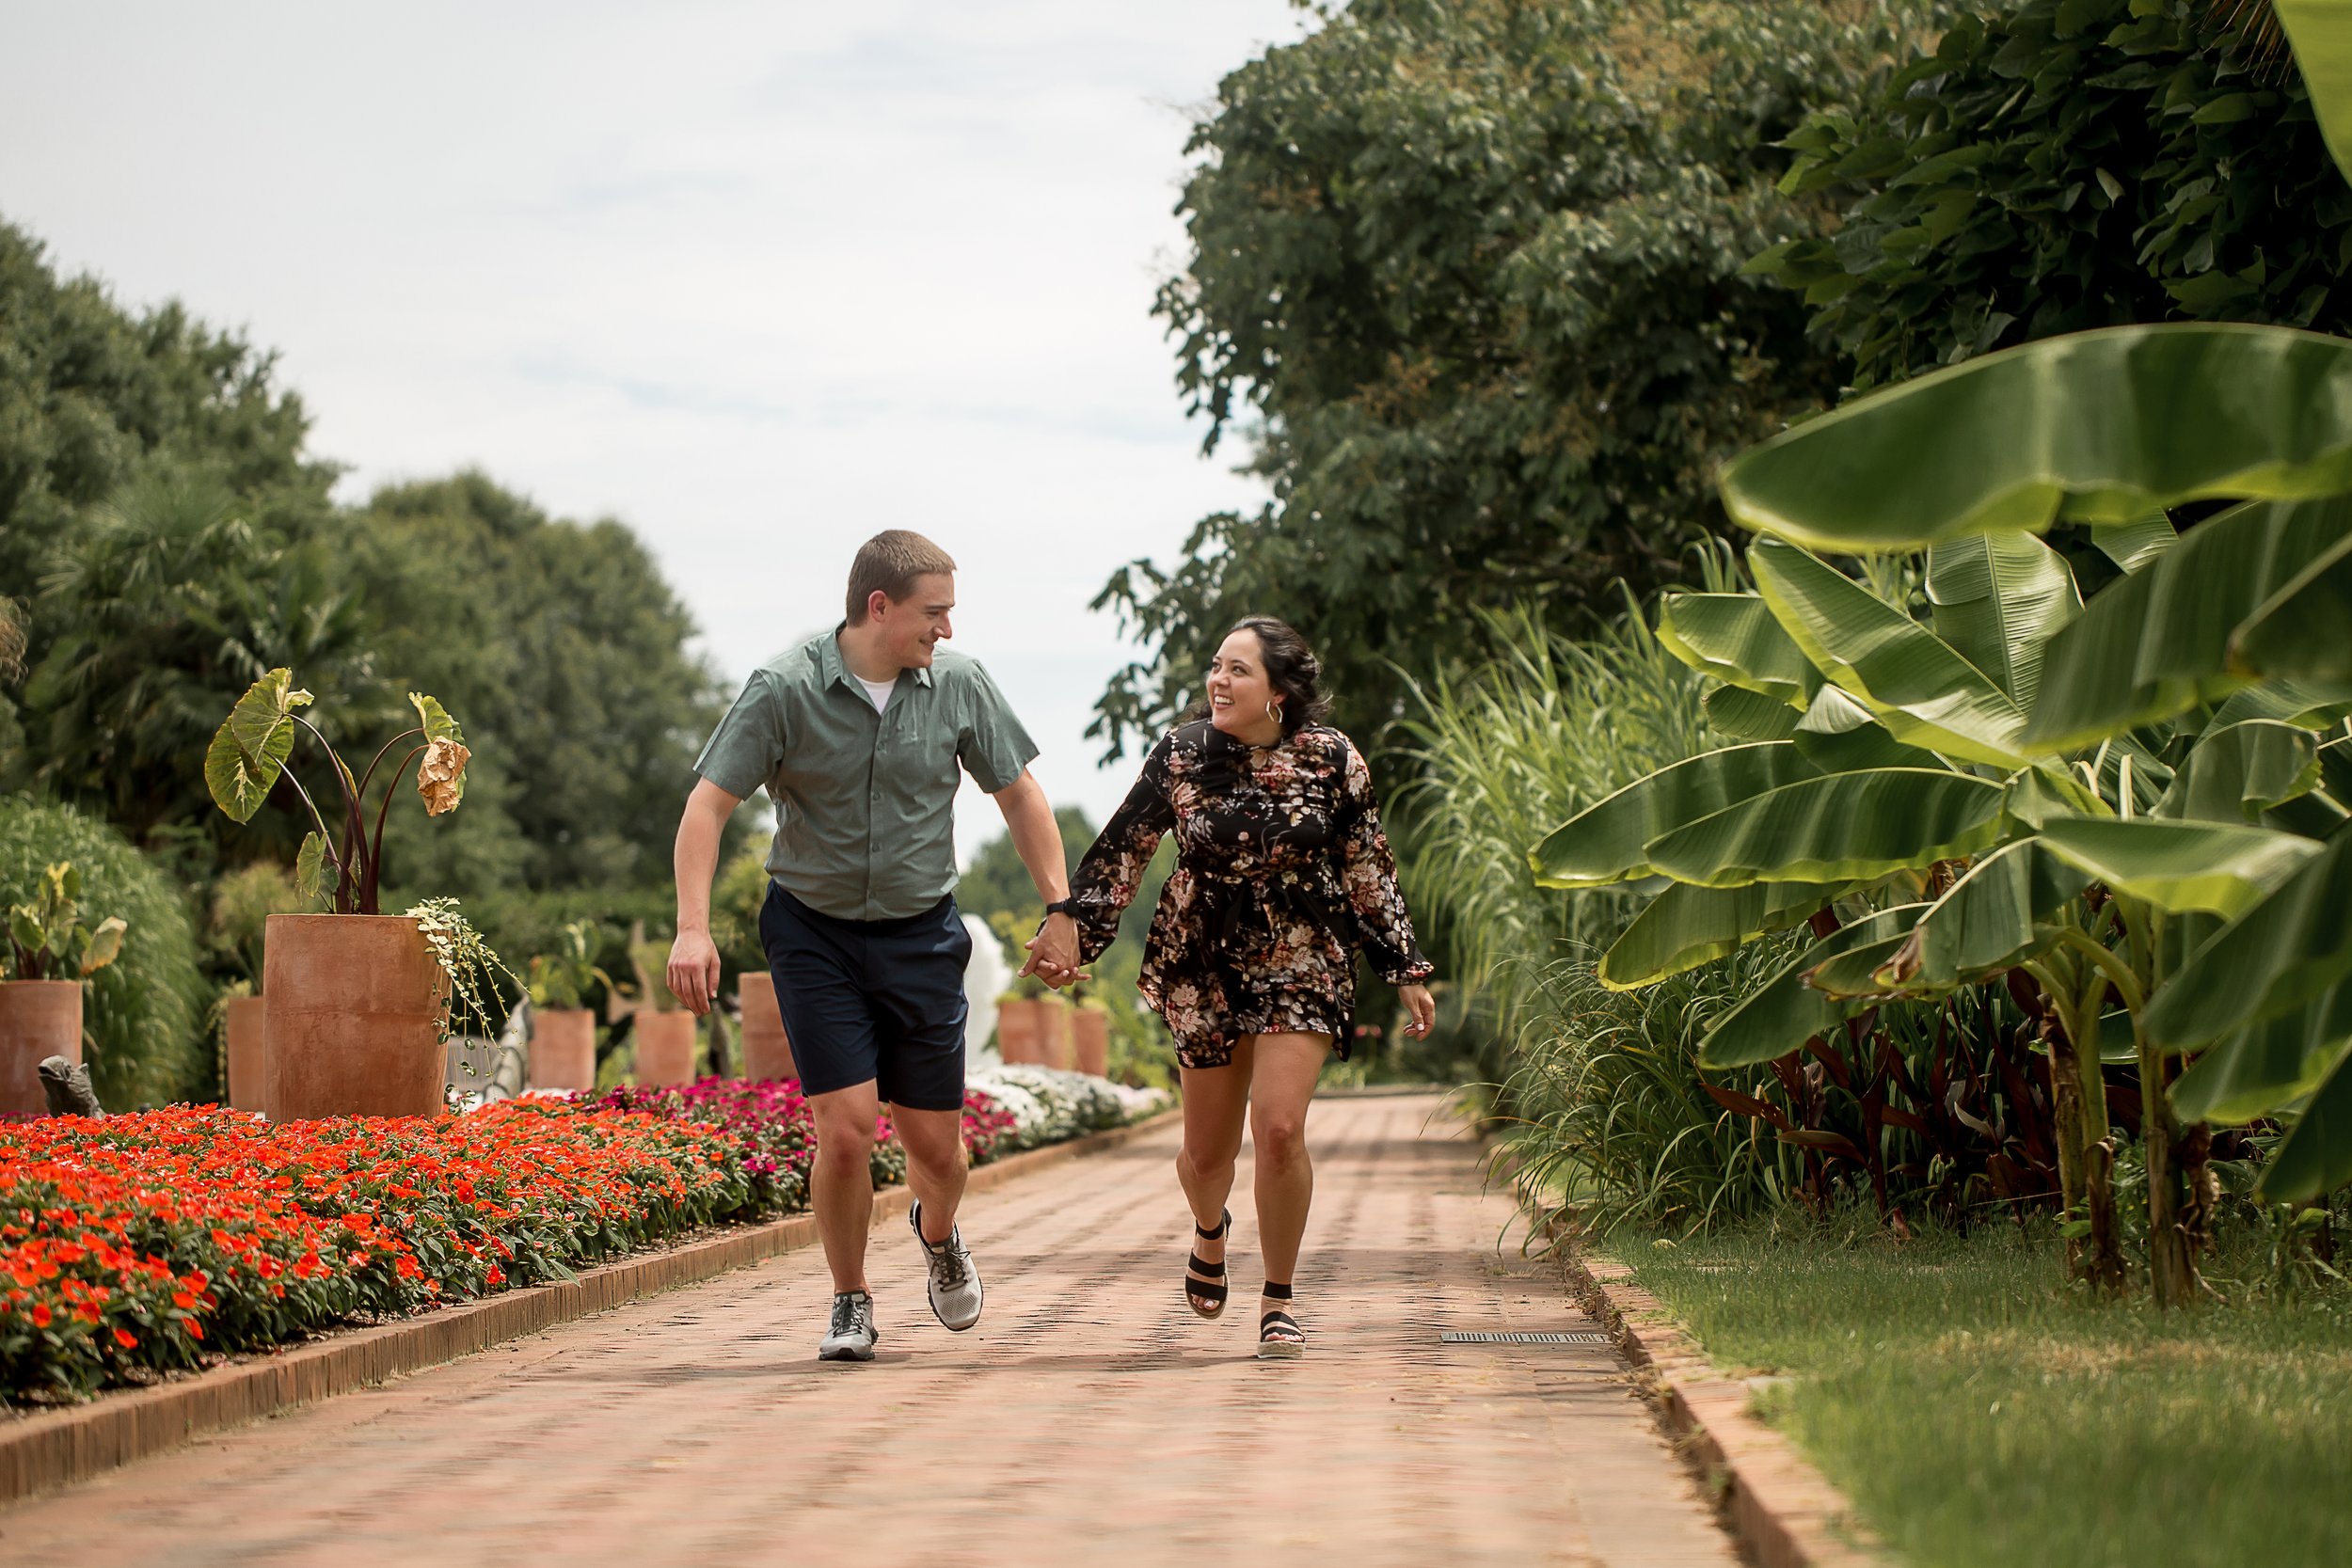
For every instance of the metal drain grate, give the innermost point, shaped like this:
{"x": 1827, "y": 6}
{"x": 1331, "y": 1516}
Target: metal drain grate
{"x": 1483, "y": 1336}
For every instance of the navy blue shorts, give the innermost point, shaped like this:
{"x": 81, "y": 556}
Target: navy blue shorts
{"x": 875, "y": 1002}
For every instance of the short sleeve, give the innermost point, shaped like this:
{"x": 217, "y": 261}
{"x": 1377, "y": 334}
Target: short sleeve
{"x": 990, "y": 743}
{"x": 747, "y": 748}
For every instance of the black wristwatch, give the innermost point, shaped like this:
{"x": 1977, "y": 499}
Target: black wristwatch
{"x": 1062, "y": 905}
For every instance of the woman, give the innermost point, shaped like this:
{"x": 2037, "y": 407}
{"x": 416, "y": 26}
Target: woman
{"x": 1281, "y": 874}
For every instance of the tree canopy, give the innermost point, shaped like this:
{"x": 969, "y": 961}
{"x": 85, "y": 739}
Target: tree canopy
{"x": 1466, "y": 279}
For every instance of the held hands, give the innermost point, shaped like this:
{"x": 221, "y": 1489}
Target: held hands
{"x": 1418, "y": 1001}
{"x": 693, "y": 972}
{"x": 1054, "y": 952}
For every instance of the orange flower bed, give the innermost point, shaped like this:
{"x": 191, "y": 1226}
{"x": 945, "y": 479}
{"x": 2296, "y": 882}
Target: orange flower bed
{"x": 141, "y": 1242}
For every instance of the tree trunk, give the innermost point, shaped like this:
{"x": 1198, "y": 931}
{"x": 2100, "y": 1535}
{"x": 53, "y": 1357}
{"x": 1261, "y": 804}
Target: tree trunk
{"x": 2104, "y": 1264}
{"x": 2066, "y": 1111}
{"x": 2171, "y": 1273}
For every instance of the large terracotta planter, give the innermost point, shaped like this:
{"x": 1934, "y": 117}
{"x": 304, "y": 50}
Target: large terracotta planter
{"x": 563, "y": 1049}
{"x": 353, "y": 1017}
{"x": 1059, "y": 1046}
{"x": 1019, "y": 1021}
{"x": 38, "y": 1018}
{"x": 248, "y": 1051}
{"x": 665, "y": 1049}
{"x": 767, "y": 1049}
{"x": 1092, "y": 1030}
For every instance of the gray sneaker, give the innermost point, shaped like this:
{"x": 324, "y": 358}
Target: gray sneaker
{"x": 955, "y": 1287}
{"x": 852, "y": 1336}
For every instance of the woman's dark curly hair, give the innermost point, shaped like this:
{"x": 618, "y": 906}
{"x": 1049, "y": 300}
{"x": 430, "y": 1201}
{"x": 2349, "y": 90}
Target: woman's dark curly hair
{"x": 1291, "y": 668}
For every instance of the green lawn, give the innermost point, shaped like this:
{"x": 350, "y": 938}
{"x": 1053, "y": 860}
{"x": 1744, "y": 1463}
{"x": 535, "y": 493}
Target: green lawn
{"x": 1979, "y": 1413}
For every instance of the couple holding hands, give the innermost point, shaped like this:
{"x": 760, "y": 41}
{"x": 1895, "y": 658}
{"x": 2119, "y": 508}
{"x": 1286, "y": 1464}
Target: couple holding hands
{"x": 860, "y": 736}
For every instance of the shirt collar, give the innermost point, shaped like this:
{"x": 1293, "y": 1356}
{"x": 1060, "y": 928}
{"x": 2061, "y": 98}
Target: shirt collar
{"x": 836, "y": 669}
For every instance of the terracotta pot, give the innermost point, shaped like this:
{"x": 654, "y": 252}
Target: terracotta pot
{"x": 1059, "y": 1045}
{"x": 563, "y": 1049}
{"x": 665, "y": 1049}
{"x": 353, "y": 1017}
{"x": 38, "y": 1018}
{"x": 767, "y": 1049}
{"x": 1019, "y": 1023}
{"x": 1092, "y": 1030}
{"x": 248, "y": 1051}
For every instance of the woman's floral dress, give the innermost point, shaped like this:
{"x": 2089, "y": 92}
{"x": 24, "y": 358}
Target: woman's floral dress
{"x": 1281, "y": 873}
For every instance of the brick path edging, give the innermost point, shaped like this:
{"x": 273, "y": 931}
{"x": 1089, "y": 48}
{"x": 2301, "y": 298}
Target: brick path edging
{"x": 58, "y": 1446}
{"x": 1784, "y": 1510}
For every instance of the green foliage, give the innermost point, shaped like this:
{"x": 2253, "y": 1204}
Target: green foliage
{"x": 144, "y": 1017}
{"x": 1502, "y": 748}
{"x": 565, "y": 651}
{"x": 1468, "y": 278}
{"x": 47, "y": 937}
{"x": 567, "y": 977}
{"x": 243, "y": 901}
{"x": 2056, "y": 165}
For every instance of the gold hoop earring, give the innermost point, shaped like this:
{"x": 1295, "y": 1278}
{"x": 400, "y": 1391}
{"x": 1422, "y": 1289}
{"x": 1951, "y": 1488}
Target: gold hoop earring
{"x": 1273, "y": 715}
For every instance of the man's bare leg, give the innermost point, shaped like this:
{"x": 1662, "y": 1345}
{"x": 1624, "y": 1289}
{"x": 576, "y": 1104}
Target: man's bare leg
{"x": 841, "y": 1184}
{"x": 935, "y": 1164}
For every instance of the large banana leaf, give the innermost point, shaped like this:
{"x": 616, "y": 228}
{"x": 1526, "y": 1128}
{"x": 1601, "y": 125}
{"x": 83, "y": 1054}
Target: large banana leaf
{"x": 1997, "y": 598}
{"x": 2317, "y": 1156}
{"x": 2276, "y": 957}
{"x": 1984, "y": 923}
{"x": 2180, "y": 866}
{"x": 2236, "y": 773}
{"x": 1745, "y": 714}
{"x": 1733, "y": 638}
{"x": 2320, "y": 32}
{"x": 2133, "y": 545}
{"x": 2304, "y": 632}
{"x": 1783, "y": 1013}
{"x": 2096, "y": 426}
{"x": 1837, "y": 735}
{"x": 1925, "y": 694}
{"x": 1842, "y": 828}
{"x": 2157, "y": 643}
{"x": 2255, "y": 1071}
{"x": 1686, "y": 926}
{"x": 1605, "y": 843}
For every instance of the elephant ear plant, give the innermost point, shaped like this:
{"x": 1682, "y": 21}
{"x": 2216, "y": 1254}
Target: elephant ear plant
{"x": 48, "y": 940}
{"x": 342, "y": 861}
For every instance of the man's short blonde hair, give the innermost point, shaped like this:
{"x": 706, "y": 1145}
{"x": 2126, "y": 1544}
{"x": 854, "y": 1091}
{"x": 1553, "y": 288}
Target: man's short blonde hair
{"x": 891, "y": 561}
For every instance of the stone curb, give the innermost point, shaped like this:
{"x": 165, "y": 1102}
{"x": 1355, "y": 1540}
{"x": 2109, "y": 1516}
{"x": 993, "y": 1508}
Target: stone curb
{"x": 57, "y": 1448}
{"x": 1783, "y": 1512}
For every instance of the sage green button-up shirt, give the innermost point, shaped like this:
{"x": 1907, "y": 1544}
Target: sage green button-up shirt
{"x": 864, "y": 801}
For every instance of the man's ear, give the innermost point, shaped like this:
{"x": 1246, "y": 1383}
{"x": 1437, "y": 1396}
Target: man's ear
{"x": 876, "y": 603}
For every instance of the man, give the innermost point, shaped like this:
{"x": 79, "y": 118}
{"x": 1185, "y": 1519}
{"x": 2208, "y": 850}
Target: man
{"x": 859, "y": 734}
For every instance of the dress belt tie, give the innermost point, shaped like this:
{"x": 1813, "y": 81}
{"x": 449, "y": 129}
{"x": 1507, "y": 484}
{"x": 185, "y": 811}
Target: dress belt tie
{"x": 1237, "y": 903}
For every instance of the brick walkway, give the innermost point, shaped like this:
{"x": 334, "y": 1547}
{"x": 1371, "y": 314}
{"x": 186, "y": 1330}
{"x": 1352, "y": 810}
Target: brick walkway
{"x": 1090, "y": 1418}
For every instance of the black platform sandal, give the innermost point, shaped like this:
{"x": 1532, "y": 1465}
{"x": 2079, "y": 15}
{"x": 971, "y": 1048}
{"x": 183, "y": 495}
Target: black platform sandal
{"x": 1280, "y": 1337}
{"x": 1213, "y": 1287}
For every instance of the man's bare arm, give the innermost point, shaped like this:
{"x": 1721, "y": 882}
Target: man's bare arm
{"x": 1037, "y": 838}
{"x": 694, "y": 975}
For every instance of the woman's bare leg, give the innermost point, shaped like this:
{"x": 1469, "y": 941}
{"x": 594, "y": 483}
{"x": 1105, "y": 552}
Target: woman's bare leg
{"x": 1216, "y": 1102}
{"x": 1280, "y": 1086}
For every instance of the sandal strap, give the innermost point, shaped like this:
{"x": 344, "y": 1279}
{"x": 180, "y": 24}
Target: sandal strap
{"x": 1271, "y": 1327}
{"x": 1276, "y": 1292}
{"x": 1224, "y": 1228}
{"x": 1205, "y": 1288}
{"x": 1215, "y": 1270}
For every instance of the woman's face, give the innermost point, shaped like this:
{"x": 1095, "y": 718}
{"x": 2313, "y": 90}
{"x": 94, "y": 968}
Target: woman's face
{"x": 1238, "y": 689}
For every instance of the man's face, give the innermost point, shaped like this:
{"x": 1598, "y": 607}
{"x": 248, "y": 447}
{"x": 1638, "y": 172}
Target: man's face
{"x": 909, "y": 627}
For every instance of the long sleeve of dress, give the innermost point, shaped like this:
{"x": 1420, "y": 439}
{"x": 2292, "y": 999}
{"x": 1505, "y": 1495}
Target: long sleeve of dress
{"x": 1106, "y": 879}
{"x": 1368, "y": 873}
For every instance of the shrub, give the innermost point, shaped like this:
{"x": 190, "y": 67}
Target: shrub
{"x": 144, "y": 1024}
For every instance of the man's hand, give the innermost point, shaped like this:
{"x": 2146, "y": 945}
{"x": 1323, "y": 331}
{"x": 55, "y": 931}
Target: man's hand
{"x": 694, "y": 975}
{"x": 1421, "y": 1006}
{"x": 1054, "y": 952}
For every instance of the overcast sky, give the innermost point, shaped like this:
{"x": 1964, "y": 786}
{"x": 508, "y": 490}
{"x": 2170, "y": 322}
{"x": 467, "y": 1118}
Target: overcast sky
{"x": 758, "y": 280}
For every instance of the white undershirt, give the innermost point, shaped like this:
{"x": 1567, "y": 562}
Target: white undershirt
{"x": 878, "y": 690}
